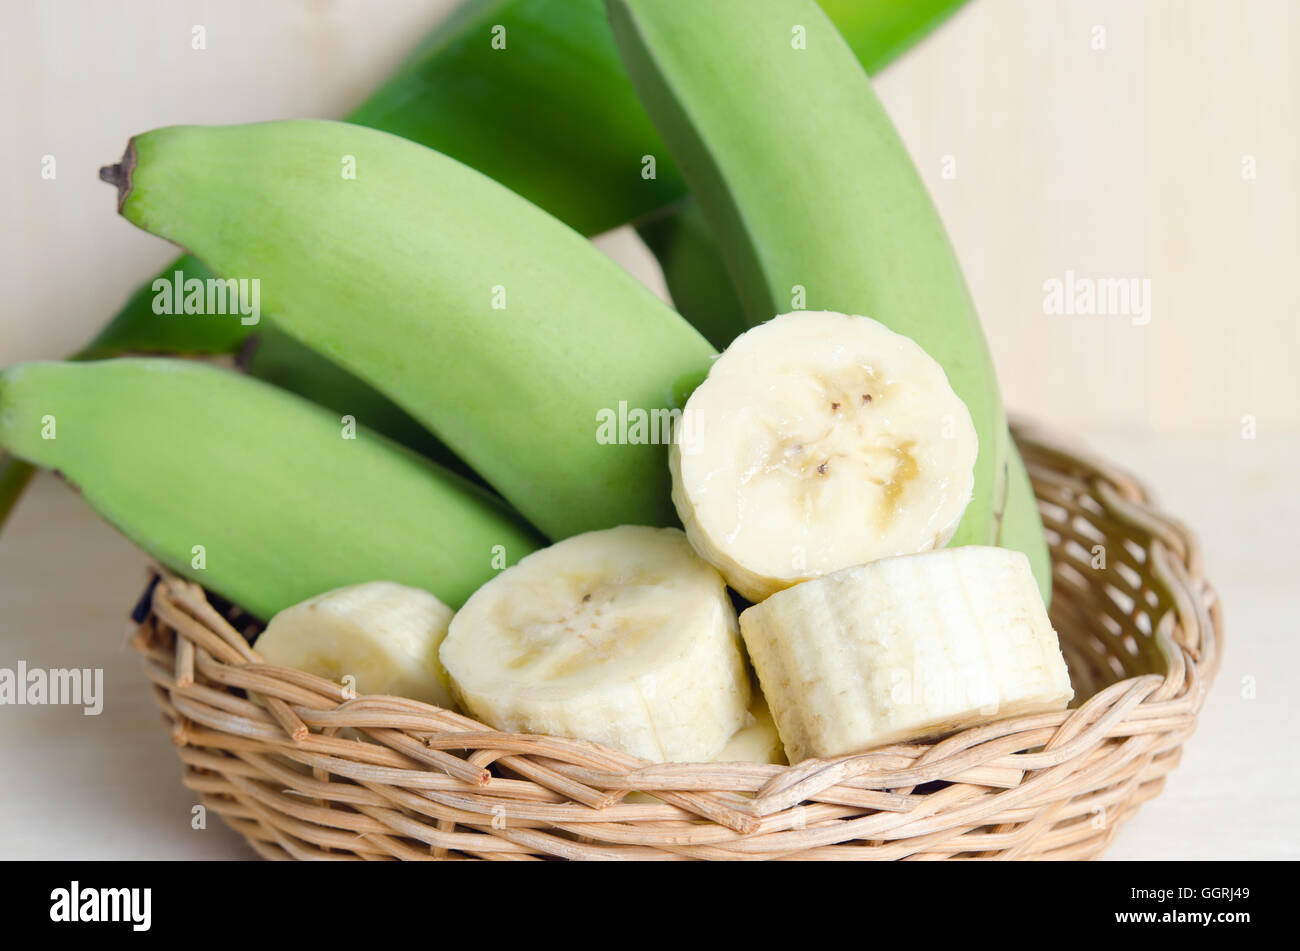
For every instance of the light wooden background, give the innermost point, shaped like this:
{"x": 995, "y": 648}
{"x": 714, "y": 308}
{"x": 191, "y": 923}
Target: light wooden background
{"x": 1117, "y": 162}
{"x": 1124, "y": 161}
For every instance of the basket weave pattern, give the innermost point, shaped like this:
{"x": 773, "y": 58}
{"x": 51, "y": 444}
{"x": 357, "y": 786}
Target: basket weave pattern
{"x": 310, "y": 774}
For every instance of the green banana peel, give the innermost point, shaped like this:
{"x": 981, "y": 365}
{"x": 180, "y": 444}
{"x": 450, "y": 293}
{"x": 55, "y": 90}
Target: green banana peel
{"x": 274, "y": 356}
{"x": 696, "y": 274}
{"x": 549, "y": 111}
{"x": 878, "y": 31}
{"x": 137, "y": 328}
{"x": 256, "y": 493}
{"x": 1022, "y": 525}
{"x": 508, "y": 334}
{"x": 553, "y": 116}
{"x": 532, "y": 94}
{"x": 810, "y": 192}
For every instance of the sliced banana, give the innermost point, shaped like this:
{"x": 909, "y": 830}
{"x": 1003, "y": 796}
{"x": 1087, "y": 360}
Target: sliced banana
{"x": 905, "y": 648}
{"x": 820, "y": 441}
{"x": 757, "y": 740}
{"x": 385, "y": 635}
{"x": 623, "y": 637}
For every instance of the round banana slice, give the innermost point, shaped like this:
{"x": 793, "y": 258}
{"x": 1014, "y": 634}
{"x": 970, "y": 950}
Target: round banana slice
{"x": 820, "y": 441}
{"x": 905, "y": 648}
{"x": 385, "y": 635}
{"x": 623, "y": 637}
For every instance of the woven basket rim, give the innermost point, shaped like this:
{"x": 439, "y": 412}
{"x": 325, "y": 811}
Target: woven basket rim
{"x": 431, "y": 782}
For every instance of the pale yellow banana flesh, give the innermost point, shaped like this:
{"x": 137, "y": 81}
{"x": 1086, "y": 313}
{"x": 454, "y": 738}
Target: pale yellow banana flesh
{"x": 380, "y": 637}
{"x": 905, "y": 648}
{"x": 623, "y": 637}
{"x": 820, "y": 441}
{"x": 757, "y": 741}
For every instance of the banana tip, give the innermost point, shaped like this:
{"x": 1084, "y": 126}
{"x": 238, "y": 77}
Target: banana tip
{"x": 120, "y": 174}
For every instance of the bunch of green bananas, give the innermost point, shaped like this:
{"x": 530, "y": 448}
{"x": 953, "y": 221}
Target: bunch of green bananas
{"x": 463, "y": 314}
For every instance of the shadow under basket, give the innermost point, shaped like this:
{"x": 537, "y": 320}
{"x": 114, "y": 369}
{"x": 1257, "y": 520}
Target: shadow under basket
{"x": 311, "y": 774}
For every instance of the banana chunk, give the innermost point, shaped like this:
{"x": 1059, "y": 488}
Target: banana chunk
{"x": 623, "y": 637}
{"x": 757, "y": 740}
{"x": 820, "y": 441}
{"x": 905, "y": 648}
{"x": 384, "y": 634}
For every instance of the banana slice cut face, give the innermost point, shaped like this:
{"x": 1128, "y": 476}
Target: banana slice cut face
{"x": 384, "y": 634}
{"x": 624, "y": 637}
{"x": 820, "y": 441}
{"x": 905, "y": 648}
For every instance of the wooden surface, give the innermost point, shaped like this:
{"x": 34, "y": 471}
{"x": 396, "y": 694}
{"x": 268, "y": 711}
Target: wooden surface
{"x": 1044, "y": 154}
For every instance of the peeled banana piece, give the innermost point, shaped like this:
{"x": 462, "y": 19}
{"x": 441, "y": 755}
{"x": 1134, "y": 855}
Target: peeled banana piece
{"x": 757, "y": 741}
{"x": 383, "y": 634}
{"x": 905, "y": 648}
{"x": 820, "y": 441}
{"x": 624, "y": 637}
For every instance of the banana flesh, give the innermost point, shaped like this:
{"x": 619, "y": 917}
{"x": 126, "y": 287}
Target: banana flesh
{"x": 384, "y": 635}
{"x": 623, "y": 637}
{"x": 757, "y": 741}
{"x": 905, "y": 648}
{"x": 820, "y": 441}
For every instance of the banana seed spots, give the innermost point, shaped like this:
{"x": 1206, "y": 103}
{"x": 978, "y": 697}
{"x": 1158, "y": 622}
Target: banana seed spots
{"x": 849, "y": 436}
{"x": 595, "y": 631}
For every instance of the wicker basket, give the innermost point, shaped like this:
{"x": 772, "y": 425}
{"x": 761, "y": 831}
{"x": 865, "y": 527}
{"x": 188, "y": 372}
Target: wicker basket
{"x": 310, "y": 774}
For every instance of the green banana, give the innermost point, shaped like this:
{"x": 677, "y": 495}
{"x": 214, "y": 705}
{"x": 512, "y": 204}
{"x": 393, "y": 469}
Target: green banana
{"x": 274, "y": 356}
{"x": 264, "y": 352}
{"x": 531, "y": 93}
{"x": 878, "y": 31}
{"x": 696, "y": 274}
{"x": 810, "y": 191}
{"x": 506, "y": 333}
{"x": 459, "y": 94}
{"x": 254, "y": 492}
{"x": 1022, "y": 525}
{"x": 137, "y": 328}
{"x": 552, "y": 116}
